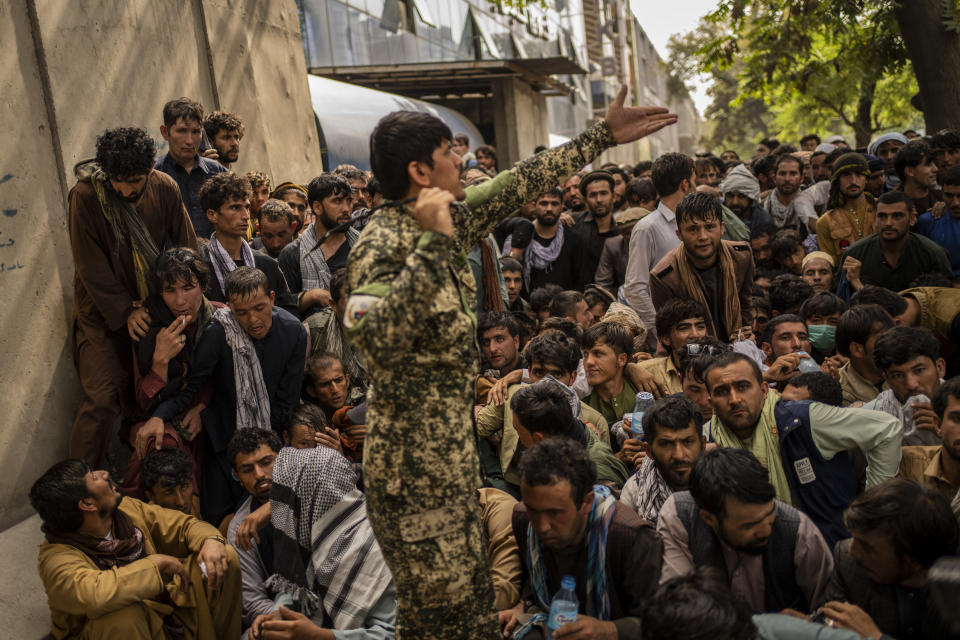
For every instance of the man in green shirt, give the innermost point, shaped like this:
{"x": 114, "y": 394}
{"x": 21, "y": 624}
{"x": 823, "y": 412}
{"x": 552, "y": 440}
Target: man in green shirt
{"x": 607, "y": 348}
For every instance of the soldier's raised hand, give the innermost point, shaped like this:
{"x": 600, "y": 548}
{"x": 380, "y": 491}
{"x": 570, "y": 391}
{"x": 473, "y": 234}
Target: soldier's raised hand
{"x": 632, "y": 123}
{"x": 432, "y": 210}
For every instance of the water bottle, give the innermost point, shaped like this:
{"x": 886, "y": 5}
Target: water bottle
{"x": 909, "y": 428}
{"x": 564, "y": 606}
{"x": 808, "y": 365}
{"x": 643, "y": 402}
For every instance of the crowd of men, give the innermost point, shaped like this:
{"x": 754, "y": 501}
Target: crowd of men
{"x": 399, "y": 403}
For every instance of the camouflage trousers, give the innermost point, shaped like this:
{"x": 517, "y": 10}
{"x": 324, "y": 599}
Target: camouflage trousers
{"x": 440, "y": 568}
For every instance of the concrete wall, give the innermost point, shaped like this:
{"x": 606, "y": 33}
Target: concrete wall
{"x": 521, "y": 121}
{"x": 68, "y": 71}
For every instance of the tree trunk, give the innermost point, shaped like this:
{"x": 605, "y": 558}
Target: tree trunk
{"x": 863, "y": 123}
{"x": 935, "y": 53}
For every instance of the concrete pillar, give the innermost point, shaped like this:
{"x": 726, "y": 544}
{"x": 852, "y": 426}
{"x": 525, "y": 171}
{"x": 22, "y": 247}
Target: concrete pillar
{"x": 520, "y": 120}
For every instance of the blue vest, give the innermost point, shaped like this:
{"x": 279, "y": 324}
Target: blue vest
{"x": 822, "y": 488}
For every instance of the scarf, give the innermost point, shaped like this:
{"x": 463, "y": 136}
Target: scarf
{"x": 223, "y": 264}
{"x": 125, "y": 547}
{"x": 324, "y": 548}
{"x": 765, "y": 445}
{"x": 492, "y": 300}
{"x": 253, "y": 405}
{"x": 729, "y": 302}
{"x": 652, "y": 490}
{"x": 598, "y": 589}
{"x": 334, "y": 341}
{"x": 536, "y": 256}
{"x": 126, "y": 223}
{"x": 783, "y": 214}
{"x": 313, "y": 267}
{"x": 740, "y": 180}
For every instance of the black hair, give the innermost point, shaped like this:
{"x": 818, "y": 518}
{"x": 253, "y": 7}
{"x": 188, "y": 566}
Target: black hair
{"x": 309, "y": 415}
{"x": 857, "y": 323}
{"x": 770, "y": 143}
{"x": 823, "y": 387}
{"x": 917, "y": 520}
{"x": 617, "y": 170}
{"x": 775, "y": 322}
{"x": 612, "y": 334}
{"x": 764, "y": 229}
{"x": 216, "y": 190}
{"x": 181, "y": 264}
{"x": 787, "y": 293}
{"x": 729, "y": 472}
{"x": 899, "y": 345}
{"x": 217, "y": 121}
{"x": 487, "y": 150}
{"x": 892, "y": 302}
{"x": 182, "y": 108}
{"x": 400, "y": 138}
{"x": 642, "y": 167}
{"x": 764, "y": 165}
{"x": 696, "y": 606}
{"x": 249, "y": 440}
{"x": 784, "y": 244}
{"x": 675, "y": 310}
{"x": 125, "y": 152}
{"x": 168, "y": 467}
{"x": 555, "y": 192}
{"x": 946, "y": 139}
{"x": 669, "y": 170}
{"x": 245, "y": 281}
{"x": 326, "y": 185}
{"x": 508, "y": 263}
{"x": 349, "y": 172}
{"x": 699, "y": 205}
{"x": 555, "y": 459}
{"x": 810, "y": 136}
{"x": 731, "y": 358}
{"x": 824, "y": 303}
{"x": 495, "y": 319}
{"x": 760, "y": 302}
{"x": 319, "y": 362}
{"x": 769, "y": 272}
{"x": 564, "y": 304}
{"x": 912, "y": 154}
{"x": 932, "y": 279}
{"x": 896, "y": 197}
{"x": 337, "y": 281}
{"x": 592, "y": 177}
{"x": 949, "y": 389}
{"x": 555, "y": 349}
{"x": 672, "y": 412}
{"x": 274, "y": 210}
{"x": 56, "y": 493}
{"x": 562, "y": 325}
{"x": 543, "y": 407}
{"x": 541, "y": 297}
{"x": 373, "y": 187}
{"x": 640, "y": 190}
{"x": 788, "y": 157}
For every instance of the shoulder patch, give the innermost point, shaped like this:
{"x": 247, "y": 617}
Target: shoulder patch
{"x": 357, "y": 307}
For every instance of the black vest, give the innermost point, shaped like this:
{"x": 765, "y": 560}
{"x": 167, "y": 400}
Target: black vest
{"x": 780, "y": 587}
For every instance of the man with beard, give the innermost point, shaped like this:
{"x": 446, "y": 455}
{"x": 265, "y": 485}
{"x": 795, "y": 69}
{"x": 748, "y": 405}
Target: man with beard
{"x": 620, "y": 181}
{"x": 121, "y": 213}
{"x": 572, "y": 198}
{"x": 945, "y": 229}
{"x": 597, "y": 225}
{"x": 741, "y": 194}
{"x": 894, "y": 256}
{"x": 788, "y": 172}
{"x": 773, "y": 556}
{"x": 803, "y": 445}
{"x": 252, "y": 453}
{"x": 358, "y": 184}
{"x": 716, "y": 273}
{"x": 938, "y": 467}
{"x": 852, "y": 214}
{"x": 886, "y": 147}
{"x": 322, "y": 248}
{"x": 499, "y": 337}
{"x": 918, "y": 174}
{"x": 707, "y": 174}
{"x": 108, "y": 563}
{"x": 554, "y": 254}
{"x": 673, "y": 443}
{"x": 224, "y": 131}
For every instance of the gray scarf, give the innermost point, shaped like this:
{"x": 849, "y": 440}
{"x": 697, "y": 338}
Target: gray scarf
{"x": 652, "y": 490}
{"x": 313, "y": 267}
{"x": 537, "y": 256}
{"x": 253, "y": 405}
{"x": 223, "y": 264}
{"x": 783, "y": 215}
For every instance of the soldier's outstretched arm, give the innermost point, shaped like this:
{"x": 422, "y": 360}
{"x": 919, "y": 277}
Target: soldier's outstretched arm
{"x": 492, "y": 201}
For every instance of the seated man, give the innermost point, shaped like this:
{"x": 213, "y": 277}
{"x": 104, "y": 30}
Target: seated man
{"x": 547, "y": 409}
{"x": 679, "y": 322}
{"x": 167, "y": 480}
{"x": 496, "y": 511}
{"x": 563, "y": 517}
{"x": 821, "y": 313}
{"x": 787, "y": 249}
{"x": 909, "y": 358}
{"x": 572, "y": 306}
{"x": 803, "y": 445}
{"x": 329, "y": 571}
{"x": 938, "y": 468}
{"x": 512, "y": 272}
{"x": 783, "y": 339}
{"x": 671, "y": 432}
{"x": 308, "y": 428}
{"x": 254, "y": 354}
{"x": 815, "y": 385}
{"x": 276, "y": 228}
{"x": 226, "y": 200}
{"x": 327, "y": 385}
{"x": 693, "y": 362}
{"x": 499, "y": 337}
{"x": 109, "y": 563}
{"x": 857, "y": 333}
{"x": 899, "y": 530}
{"x": 607, "y": 348}
{"x": 252, "y": 453}
{"x": 772, "y": 555}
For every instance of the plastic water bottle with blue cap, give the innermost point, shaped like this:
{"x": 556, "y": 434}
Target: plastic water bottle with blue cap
{"x": 643, "y": 402}
{"x": 564, "y": 606}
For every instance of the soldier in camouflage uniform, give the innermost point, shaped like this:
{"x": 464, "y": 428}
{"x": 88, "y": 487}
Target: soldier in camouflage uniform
{"x": 410, "y": 314}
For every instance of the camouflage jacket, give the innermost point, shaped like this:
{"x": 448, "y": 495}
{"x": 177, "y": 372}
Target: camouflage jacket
{"x": 410, "y": 314}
